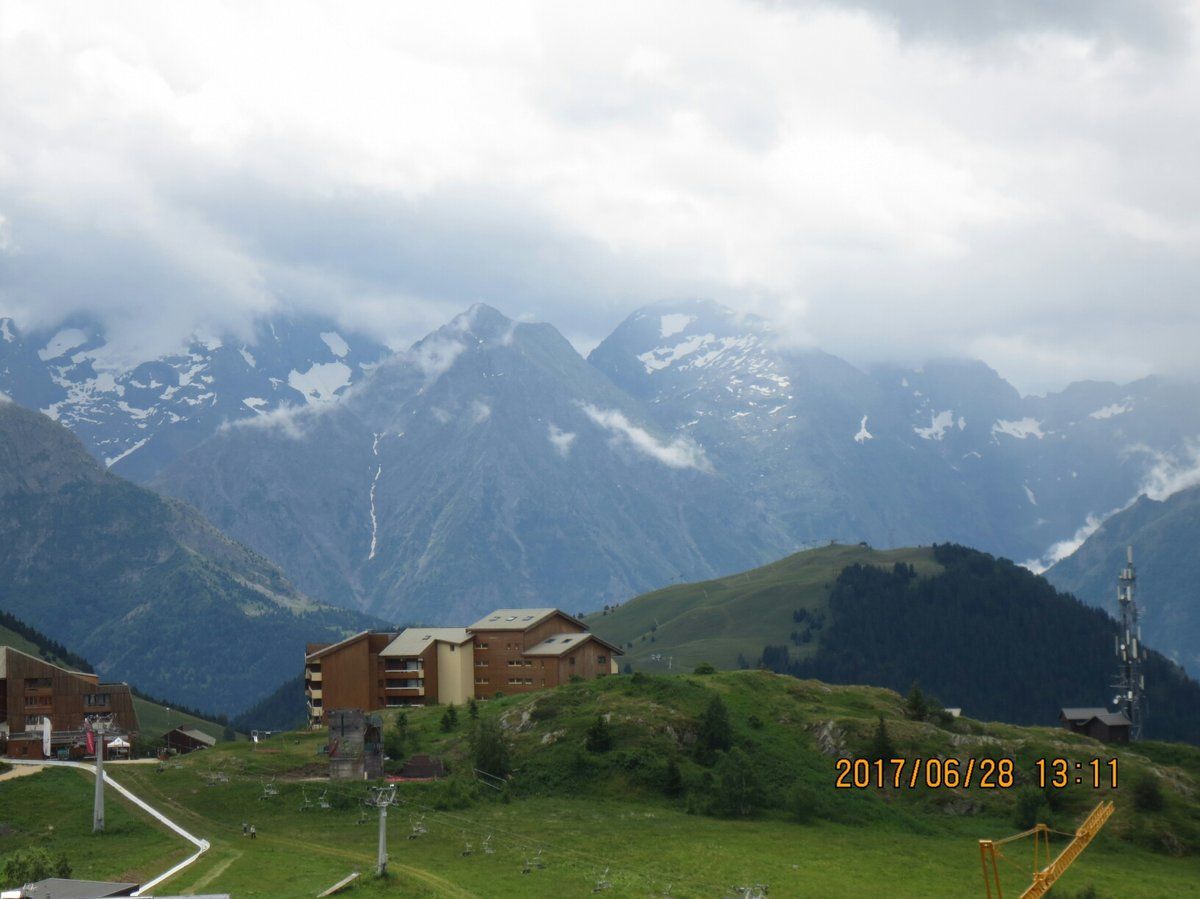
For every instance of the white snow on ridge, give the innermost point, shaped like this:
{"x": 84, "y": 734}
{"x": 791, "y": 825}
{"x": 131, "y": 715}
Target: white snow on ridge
{"x": 939, "y": 424}
{"x": 674, "y": 323}
{"x": 1114, "y": 409}
{"x": 863, "y": 434}
{"x": 62, "y": 343}
{"x": 1029, "y": 495}
{"x": 320, "y": 383}
{"x": 8, "y": 335}
{"x": 109, "y": 463}
{"x": 663, "y": 357}
{"x": 1026, "y": 427}
{"x": 246, "y": 354}
{"x": 336, "y": 344}
{"x": 255, "y": 404}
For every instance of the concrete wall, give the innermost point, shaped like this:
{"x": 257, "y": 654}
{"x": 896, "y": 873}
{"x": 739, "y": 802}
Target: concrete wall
{"x": 456, "y": 672}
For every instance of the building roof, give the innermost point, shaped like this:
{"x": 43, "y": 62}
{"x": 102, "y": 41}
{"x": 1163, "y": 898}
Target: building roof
{"x": 63, "y": 888}
{"x": 4, "y": 650}
{"x": 1084, "y": 713}
{"x": 1114, "y": 719}
{"x": 196, "y": 734}
{"x": 561, "y": 644}
{"x": 413, "y": 641}
{"x": 339, "y": 645}
{"x": 519, "y": 619}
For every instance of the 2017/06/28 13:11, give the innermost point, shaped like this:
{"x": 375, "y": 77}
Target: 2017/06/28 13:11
{"x": 985, "y": 773}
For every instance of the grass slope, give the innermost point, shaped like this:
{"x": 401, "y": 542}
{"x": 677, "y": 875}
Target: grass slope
{"x": 589, "y": 812}
{"x": 715, "y": 621}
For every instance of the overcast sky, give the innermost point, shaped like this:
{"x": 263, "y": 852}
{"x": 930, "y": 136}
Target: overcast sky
{"x": 886, "y": 179}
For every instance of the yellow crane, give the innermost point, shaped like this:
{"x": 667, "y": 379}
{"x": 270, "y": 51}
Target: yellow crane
{"x": 1043, "y": 877}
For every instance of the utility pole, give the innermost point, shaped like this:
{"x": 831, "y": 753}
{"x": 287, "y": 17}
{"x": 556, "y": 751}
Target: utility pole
{"x": 381, "y": 798}
{"x": 1130, "y": 682}
{"x": 99, "y": 725}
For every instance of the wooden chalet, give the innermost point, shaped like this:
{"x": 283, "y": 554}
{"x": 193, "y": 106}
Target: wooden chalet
{"x": 32, "y": 690}
{"x": 1097, "y": 722}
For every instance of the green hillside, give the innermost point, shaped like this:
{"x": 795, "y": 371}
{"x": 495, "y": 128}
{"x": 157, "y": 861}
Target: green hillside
{"x": 763, "y": 810}
{"x": 979, "y": 632}
{"x": 719, "y": 620}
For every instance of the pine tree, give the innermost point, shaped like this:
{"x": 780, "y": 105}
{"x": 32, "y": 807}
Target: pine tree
{"x": 916, "y": 706}
{"x": 599, "y": 736}
{"x": 881, "y": 743}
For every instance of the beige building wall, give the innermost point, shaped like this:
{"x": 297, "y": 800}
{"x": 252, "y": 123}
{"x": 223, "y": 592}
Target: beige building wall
{"x": 456, "y": 672}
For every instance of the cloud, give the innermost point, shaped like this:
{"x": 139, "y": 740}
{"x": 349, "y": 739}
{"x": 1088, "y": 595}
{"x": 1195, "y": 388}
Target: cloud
{"x": 480, "y": 411}
{"x": 1152, "y": 23}
{"x": 290, "y": 421}
{"x": 435, "y": 356}
{"x": 561, "y": 440}
{"x": 679, "y": 453}
{"x": 1169, "y": 472}
{"x": 891, "y": 179}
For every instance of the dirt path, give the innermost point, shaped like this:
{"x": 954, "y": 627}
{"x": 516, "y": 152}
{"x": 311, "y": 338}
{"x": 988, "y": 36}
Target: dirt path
{"x": 21, "y": 771}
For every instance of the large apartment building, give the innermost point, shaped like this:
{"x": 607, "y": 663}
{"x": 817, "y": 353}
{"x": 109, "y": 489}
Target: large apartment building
{"x": 508, "y": 651}
{"x": 32, "y": 690}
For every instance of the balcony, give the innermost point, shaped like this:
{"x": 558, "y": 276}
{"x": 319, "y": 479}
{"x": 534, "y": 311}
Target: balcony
{"x": 314, "y": 694}
{"x": 396, "y": 667}
{"x": 313, "y": 677}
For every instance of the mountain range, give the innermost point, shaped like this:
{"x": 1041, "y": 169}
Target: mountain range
{"x": 139, "y": 584}
{"x": 490, "y": 463}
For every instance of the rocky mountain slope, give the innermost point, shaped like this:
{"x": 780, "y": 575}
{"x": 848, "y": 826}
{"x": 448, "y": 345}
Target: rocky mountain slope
{"x": 491, "y": 464}
{"x": 142, "y": 585}
{"x": 137, "y": 415}
{"x": 1164, "y": 535}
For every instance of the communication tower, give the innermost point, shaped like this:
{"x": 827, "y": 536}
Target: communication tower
{"x": 1130, "y": 683}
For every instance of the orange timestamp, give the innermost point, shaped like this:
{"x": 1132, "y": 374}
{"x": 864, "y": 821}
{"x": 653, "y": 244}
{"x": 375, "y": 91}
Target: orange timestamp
{"x": 984, "y": 773}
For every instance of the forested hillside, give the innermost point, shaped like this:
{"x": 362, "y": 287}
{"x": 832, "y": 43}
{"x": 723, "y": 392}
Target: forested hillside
{"x": 986, "y": 635}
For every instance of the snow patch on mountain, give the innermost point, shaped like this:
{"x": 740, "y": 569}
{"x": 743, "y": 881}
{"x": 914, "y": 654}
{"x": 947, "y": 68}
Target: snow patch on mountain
{"x": 374, "y": 483}
{"x": 939, "y": 424}
{"x": 672, "y": 324}
{"x": 336, "y": 344}
{"x": 110, "y": 462}
{"x": 1025, "y": 427}
{"x": 679, "y": 453}
{"x": 561, "y": 440}
{"x": 255, "y": 404}
{"x": 321, "y": 383}
{"x": 863, "y": 434}
{"x": 1112, "y": 410}
{"x": 248, "y": 356}
{"x": 664, "y": 357}
{"x": 62, "y": 343}
{"x": 6, "y": 331}
{"x": 1029, "y": 495}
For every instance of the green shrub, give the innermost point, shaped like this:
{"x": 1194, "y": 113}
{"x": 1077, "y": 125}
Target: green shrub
{"x": 599, "y": 736}
{"x": 714, "y": 733}
{"x": 34, "y": 864}
{"x": 1031, "y": 807}
{"x": 1147, "y": 793}
{"x": 739, "y": 791}
{"x": 490, "y": 751}
{"x": 881, "y": 746}
{"x": 704, "y": 668}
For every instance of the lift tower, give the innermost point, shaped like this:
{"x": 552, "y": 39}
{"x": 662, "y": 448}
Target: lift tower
{"x": 1130, "y": 682}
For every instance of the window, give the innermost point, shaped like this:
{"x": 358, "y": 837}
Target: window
{"x": 481, "y": 663}
{"x": 453, "y": 647}
{"x": 38, "y": 683}
{"x": 601, "y": 660}
{"x": 482, "y": 645}
{"x": 529, "y": 663}
{"x": 481, "y": 680}
{"x": 572, "y": 661}
{"x": 43, "y": 701}
{"x": 529, "y": 680}
{"x": 95, "y": 699}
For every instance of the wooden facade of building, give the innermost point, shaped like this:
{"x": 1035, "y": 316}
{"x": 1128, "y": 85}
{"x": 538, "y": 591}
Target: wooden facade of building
{"x": 32, "y": 689}
{"x": 509, "y": 651}
{"x": 345, "y": 675}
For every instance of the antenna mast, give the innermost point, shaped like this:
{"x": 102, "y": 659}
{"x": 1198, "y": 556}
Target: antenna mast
{"x": 1130, "y": 682}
